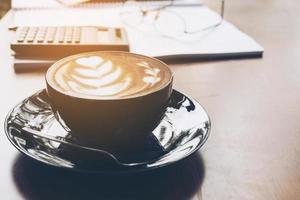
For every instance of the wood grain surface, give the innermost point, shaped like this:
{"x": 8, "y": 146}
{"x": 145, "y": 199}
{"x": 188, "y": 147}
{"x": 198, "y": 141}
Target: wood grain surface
{"x": 254, "y": 147}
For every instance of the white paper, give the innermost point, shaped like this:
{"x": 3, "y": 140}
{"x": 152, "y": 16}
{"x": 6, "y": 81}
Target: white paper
{"x": 221, "y": 40}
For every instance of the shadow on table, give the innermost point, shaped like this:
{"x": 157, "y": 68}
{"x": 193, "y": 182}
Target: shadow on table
{"x": 38, "y": 181}
{"x": 41, "y": 70}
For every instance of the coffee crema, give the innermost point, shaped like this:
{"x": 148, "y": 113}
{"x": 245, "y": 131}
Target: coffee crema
{"x": 108, "y": 75}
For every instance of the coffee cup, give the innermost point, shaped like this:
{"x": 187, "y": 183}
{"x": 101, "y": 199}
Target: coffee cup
{"x": 109, "y": 99}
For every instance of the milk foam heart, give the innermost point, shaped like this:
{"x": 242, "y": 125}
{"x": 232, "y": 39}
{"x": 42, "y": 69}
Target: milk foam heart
{"x": 92, "y": 61}
{"x": 110, "y": 75}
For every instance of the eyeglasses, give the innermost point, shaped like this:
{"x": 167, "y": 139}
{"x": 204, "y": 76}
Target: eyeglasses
{"x": 165, "y": 19}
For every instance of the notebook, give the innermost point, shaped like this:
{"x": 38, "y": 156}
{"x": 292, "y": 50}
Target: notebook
{"x": 223, "y": 41}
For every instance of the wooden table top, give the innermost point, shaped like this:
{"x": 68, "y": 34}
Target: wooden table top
{"x": 252, "y": 153}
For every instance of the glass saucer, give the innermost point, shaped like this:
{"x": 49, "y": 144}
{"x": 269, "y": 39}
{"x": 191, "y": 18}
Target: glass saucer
{"x": 31, "y": 127}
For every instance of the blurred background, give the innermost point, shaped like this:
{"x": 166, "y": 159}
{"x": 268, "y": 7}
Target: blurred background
{"x": 4, "y": 7}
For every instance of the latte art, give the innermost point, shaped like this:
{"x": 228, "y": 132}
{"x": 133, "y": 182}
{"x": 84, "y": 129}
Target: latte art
{"x": 110, "y": 75}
